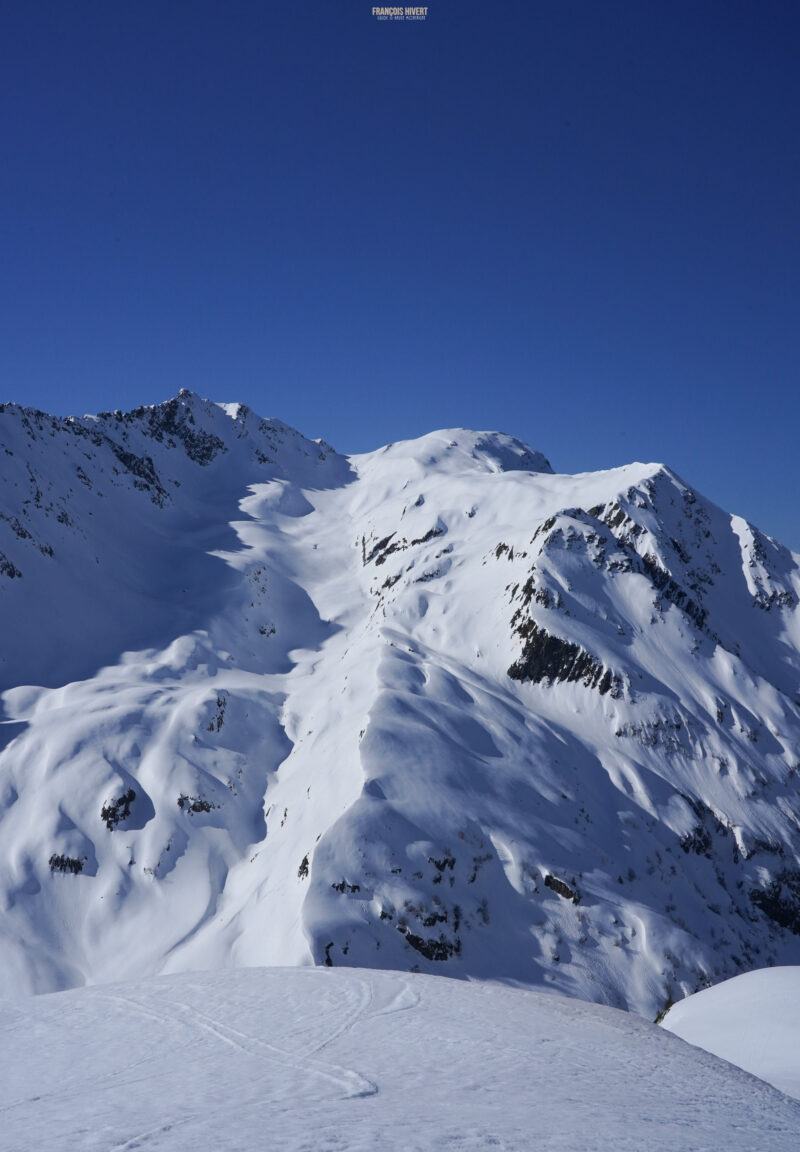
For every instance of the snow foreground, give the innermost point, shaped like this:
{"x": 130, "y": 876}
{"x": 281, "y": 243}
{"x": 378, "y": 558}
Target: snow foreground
{"x": 752, "y": 1020}
{"x": 308, "y": 1059}
{"x": 431, "y": 708}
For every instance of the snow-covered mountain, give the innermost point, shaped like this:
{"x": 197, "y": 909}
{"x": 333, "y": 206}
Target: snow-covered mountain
{"x": 434, "y": 707}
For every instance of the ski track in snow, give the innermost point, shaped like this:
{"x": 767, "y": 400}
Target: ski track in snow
{"x": 346, "y": 1080}
{"x": 445, "y": 1064}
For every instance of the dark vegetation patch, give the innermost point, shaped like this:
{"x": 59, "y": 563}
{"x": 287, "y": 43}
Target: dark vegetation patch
{"x": 70, "y": 864}
{"x": 7, "y": 568}
{"x": 343, "y": 886}
{"x": 194, "y": 803}
{"x": 219, "y": 718}
{"x": 116, "y": 810}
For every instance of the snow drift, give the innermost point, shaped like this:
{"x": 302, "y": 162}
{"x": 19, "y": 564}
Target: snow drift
{"x": 752, "y": 1021}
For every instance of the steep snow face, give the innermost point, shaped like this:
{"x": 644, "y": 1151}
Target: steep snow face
{"x": 752, "y": 1021}
{"x": 315, "y": 1060}
{"x": 109, "y": 525}
{"x": 434, "y": 707}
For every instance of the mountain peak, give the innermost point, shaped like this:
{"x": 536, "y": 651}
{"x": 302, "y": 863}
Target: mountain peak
{"x": 457, "y": 450}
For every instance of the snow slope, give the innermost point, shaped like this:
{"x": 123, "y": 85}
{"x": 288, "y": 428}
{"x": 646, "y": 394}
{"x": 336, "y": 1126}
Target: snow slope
{"x": 323, "y": 1060}
{"x": 431, "y": 708}
{"x": 752, "y": 1020}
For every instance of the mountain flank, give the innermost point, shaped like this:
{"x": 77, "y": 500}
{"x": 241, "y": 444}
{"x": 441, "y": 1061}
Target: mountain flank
{"x": 431, "y": 708}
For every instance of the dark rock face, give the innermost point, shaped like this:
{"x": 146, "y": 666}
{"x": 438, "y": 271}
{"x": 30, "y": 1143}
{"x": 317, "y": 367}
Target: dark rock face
{"x": 709, "y": 828}
{"x": 672, "y": 591}
{"x": 561, "y": 888}
{"x": 546, "y": 657}
{"x": 143, "y": 470}
{"x": 174, "y": 421}
{"x": 438, "y": 949}
{"x": 780, "y": 901}
{"x": 382, "y": 549}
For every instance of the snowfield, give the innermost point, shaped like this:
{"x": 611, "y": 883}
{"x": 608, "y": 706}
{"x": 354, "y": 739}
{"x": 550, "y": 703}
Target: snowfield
{"x": 752, "y": 1020}
{"x": 309, "y": 1059}
{"x": 433, "y": 708}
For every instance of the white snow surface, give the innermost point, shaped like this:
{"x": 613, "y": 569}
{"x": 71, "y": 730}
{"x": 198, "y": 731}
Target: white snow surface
{"x": 309, "y": 1059}
{"x": 434, "y": 707}
{"x": 752, "y": 1020}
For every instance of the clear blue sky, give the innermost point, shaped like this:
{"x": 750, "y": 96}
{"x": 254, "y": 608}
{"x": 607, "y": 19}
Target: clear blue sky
{"x": 578, "y": 222}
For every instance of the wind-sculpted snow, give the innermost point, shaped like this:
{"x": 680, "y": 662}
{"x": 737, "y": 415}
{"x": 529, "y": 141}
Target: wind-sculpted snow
{"x": 432, "y": 708}
{"x": 310, "y": 1060}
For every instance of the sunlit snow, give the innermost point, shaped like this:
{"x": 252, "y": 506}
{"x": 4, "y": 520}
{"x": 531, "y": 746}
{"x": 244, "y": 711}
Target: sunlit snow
{"x": 310, "y": 1059}
{"x": 753, "y": 1020}
{"x": 431, "y": 708}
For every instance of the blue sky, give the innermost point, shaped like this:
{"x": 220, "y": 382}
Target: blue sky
{"x": 578, "y": 222}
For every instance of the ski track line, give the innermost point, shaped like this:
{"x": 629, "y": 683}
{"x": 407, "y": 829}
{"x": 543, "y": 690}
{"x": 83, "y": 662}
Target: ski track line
{"x": 353, "y": 1082}
{"x": 137, "y": 1140}
{"x": 350, "y": 1018}
{"x": 404, "y": 1000}
{"x": 348, "y": 1079}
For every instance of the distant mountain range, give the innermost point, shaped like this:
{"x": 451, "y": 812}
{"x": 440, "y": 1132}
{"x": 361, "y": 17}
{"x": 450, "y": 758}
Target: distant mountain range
{"x": 430, "y": 708}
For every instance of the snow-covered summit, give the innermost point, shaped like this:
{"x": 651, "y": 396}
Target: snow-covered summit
{"x": 458, "y": 451}
{"x": 430, "y": 707}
